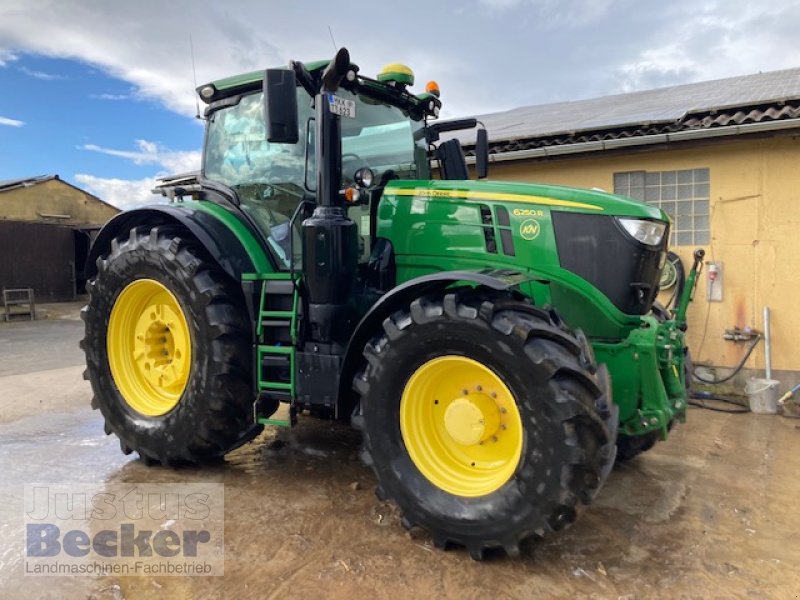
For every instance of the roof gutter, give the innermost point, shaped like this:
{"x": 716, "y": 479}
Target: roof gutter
{"x": 644, "y": 140}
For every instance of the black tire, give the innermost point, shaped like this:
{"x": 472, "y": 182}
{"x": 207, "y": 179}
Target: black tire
{"x": 214, "y": 414}
{"x": 569, "y": 422}
{"x": 631, "y": 446}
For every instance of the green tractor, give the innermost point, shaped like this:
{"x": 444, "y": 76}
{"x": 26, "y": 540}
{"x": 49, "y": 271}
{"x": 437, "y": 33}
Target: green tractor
{"x": 472, "y": 330}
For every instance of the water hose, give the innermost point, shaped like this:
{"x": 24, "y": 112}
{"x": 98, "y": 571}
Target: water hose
{"x": 783, "y": 399}
{"x": 736, "y": 370}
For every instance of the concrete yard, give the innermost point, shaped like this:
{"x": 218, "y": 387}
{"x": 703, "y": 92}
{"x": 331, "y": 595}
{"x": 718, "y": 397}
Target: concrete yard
{"x": 711, "y": 513}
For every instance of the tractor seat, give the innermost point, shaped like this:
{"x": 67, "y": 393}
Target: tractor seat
{"x": 452, "y": 164}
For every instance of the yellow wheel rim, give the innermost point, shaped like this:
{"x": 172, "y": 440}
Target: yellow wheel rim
{"x": 461, "y": 426}
{"x": 149, "y": 347}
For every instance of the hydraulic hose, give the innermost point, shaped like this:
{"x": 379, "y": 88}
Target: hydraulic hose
{"x": 697, "y": 399}
{"x": 738, "y": 368}
{"x": 680, "y": 280}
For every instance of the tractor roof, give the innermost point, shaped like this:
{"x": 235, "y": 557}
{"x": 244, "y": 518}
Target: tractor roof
{"x": 389, "y": 86}
{"x": 253, "y": 77}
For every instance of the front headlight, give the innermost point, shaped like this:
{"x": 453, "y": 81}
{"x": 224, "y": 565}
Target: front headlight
{"x": 646, "y": 232}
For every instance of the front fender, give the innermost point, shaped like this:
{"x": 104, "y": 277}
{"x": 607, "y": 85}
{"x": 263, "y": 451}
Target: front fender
{"x": 495, "y": 279}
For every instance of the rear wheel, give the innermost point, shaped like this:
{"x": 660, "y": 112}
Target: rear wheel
{"x": 167, "y": 349}
{"x": 484, "y": 421}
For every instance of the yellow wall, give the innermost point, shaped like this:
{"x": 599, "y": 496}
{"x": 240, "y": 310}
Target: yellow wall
{"x": 755, "y": 220}
{"x": 54, "y": 197}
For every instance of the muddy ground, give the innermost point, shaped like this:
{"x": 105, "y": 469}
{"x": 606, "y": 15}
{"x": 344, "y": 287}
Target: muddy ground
{"x": 713, "y": 512}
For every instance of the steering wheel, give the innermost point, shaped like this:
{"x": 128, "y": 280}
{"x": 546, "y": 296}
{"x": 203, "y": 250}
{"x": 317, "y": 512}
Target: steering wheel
{"x": 285, "y": 189}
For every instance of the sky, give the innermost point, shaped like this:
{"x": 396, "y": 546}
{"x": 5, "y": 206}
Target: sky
{"x": 101, "y": 92}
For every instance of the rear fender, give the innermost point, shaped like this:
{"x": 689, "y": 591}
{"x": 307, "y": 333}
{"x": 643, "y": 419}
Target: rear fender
{"x": 225, "y": 236}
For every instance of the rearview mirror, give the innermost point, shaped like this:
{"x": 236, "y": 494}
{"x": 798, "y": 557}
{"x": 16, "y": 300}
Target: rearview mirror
{"x": 280, "y": 106}
{"x": 482, "y": 154}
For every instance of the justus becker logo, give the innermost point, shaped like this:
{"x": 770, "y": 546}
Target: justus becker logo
{"x": 124, "y": 529}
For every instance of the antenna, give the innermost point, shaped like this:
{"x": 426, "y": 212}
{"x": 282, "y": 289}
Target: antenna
{"x": 194, "y": 75}
{"x": 335, "y": 47}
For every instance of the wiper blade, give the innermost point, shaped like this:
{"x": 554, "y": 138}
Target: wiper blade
{"x": 179, "y": 186}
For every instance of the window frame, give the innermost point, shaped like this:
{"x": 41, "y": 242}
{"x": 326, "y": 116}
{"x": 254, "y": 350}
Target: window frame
{"x": 684, "y": 194}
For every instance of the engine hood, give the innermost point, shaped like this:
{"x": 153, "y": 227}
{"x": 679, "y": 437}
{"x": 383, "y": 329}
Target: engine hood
{"x": 554, "y": 197}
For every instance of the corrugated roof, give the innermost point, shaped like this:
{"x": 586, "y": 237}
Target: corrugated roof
{"x": 12, "y": 184}
{"x": 719, "y": 103}
{"x": 9, "y": 184}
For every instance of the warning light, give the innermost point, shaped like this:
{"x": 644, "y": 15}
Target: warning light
{"x": 432, "y": 88}
{"x": 351, "y": 195}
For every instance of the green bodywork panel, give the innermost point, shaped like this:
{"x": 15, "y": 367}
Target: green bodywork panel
{"x": 254, "y": 248}
{"x": 247, "y": 79}
{"x": 438, "y": 226}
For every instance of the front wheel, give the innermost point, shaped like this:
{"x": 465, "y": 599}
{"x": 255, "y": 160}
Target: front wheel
{"x": 484, "y": 421}
{"x": 167, "y": 349}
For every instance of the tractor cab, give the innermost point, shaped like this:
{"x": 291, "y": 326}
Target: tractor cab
{"x": 261, "y": 143}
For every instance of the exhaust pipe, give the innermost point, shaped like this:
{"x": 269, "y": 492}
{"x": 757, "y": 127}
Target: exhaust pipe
{"x": 330, "y": 237}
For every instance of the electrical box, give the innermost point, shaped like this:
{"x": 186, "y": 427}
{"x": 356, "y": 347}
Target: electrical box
{"x": 714, "y": 281}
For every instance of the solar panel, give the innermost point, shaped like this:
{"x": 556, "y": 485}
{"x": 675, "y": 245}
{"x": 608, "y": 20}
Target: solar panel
{"x": 662, "y": 105}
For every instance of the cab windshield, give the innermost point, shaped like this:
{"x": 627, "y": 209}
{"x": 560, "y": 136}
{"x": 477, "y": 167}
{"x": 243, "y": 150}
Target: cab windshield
{"x": 271, "y": 179}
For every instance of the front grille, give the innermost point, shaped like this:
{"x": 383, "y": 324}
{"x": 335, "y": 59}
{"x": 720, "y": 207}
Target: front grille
{"x": 599, "y": 250}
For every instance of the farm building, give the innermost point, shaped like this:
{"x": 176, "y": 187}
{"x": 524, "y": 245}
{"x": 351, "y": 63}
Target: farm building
{"x": 46, "y": 227}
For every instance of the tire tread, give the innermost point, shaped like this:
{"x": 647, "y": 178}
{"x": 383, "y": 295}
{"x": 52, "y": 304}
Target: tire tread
{"x": 589, "y": 426}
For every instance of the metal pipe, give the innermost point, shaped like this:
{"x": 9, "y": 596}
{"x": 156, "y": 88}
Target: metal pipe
{"x": 767, "y": 345}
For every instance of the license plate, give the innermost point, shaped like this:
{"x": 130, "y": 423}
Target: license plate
{"x": 342, "y": 106}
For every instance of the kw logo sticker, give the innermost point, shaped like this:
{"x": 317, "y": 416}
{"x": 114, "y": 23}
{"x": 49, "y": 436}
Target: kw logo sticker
{"x": 529, "y": 229}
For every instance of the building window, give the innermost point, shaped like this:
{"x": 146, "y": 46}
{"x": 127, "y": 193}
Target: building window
{"x": 683, "y": 195}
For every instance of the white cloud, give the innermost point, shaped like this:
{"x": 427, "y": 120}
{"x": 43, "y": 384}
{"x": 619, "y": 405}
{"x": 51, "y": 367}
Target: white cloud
{"x": 501, "y": 4}
{"x": 110, "y": 96}
{"x": 129, "y": 193}
{"x": 565, "y": 14}
{"x": 122, "y": 193}
{"x": 657, "y": 67}
{"x": 146, "y": 42}
{"x": 41, "y": 74}
{"x": 6, "y": 56}
{"x": 152, "y": 153}
{"x": 716, "y": 39}
{"x": 11, "y": 122}
{"x": 488, "y": 55}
